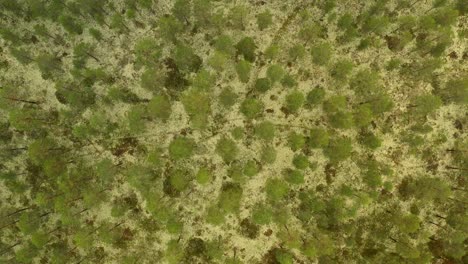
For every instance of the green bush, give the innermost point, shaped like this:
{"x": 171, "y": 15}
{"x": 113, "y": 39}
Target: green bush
{"x": 204, "y": 175}
{"x": 294, "y": 101}
{"x": 262, "y": 214}
{"x": 296, "y": 141}
{"x": 262, "y": 84}
{"x": 268, "y": 154}
{"x": 276, "y": 189}
{"x": 246, "y": 47}
{"x": 265, "y": 130}
{"x": 335, "y": 104}
{"x": 225, "y": 44}
{"x": 181, "y": 148}
{"x": 339, "y": 149}
{"x": 341, "y": 69}
{"x": 297, "y": 52}
{"x": 179, "y": 179}
{"x": 321, "y": 53}
{"x": 230, "y": 197}
{"x": 289, "y": 81}
{"x": 159, "y": 107}
{"x": 243, "y": 69}
{"x": 264, "y": 19}
{"x": 366, "y": 83}
{"x": 227, "y": 97}
{"x": 318, "y": 138}
{"x": 275, "y": 73}
{"x": 251, "y": 168}
{"x": 315, "y": 97}
{"x": 251, "y": 108}
{"x": 197, "y": 104}
{"x": 294, "y": 176}
{"x": 342, "y": 120}
{"x": 227, "y": 149}
{"x": 363, "y": 115}
{"x": 301, "y": 161}
{"x": 370, "y": 141}
{"x": 238, "y": 133}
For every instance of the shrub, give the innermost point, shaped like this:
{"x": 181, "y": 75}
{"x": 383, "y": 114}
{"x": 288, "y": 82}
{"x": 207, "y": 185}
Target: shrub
{"x": 237, "y": 133}
{"x": 251, "y": 108}
{"x": 445, "y": 16}
{"x": 224, "y": 44}
{"x": 262, "y": 84}
{"x": 321, "y": 53}
{"x": 341, "y": 69}
{"x": 310, "y": 32}
{"x": 238, "y": 16}
{"x": 204, "y": 175}
{"x": 174, "y": 226}
{"x": 235, "y": 171}
{"x": 215, "y": 215}
{"x": 265, "y": 130}
{"x": 272, "y": 52}
{"x": 341, "y": 119}
{"x": 370, "y": 141}
{"x": 152, "y": 80}
{"x": 275, "y": 73}
{"x": 294, "y": 101}
{"x": 425, "y": 104}
{"x": 318, "y": 138}
{"x": 227, "y": 97}
{"x": 203, "y": 81}
{"x": 338, "y": 149}
{"x": 251, "y": 168}
{"x": 227, "y": 149}
{"x": 181, "y": 148}
{"x": 301, "y": 161}
{"x": 335, "y": 104}
{"x": 288, "y": 81}
{"x": 246, "y": 47}
{"x": 296, "y": 52}
{"x": 363, "y": 115}
{"x": 243, "y": 69}
{"x": 197, "y": 104}
{"x": 218, "y": 61}
{"x": 179, "y": 179}
{"x": 264, "y": 19}
{"x": 381, "y": 104}
{"x": 296, "y": 141}
{"x": 276, "y": 189}
{"x": 268, "y": 154}
{"x": 230, "y": 197}
{"x": 294, "y": 176}
{"x": 262, "y": 214}
{"x": 147, "y": 52}
{"x": 376, "y": 24}
{"x": 159, "y": 107}
{"x": 315, "y": 97}
{"x": 70, "y": 25}
{"x": 346, "y": 21}
{"x": 186, "y": 59}
{"x": 366, "y": 83}
{"x": 456, "y": 91}
{"x": 284, "y": 257}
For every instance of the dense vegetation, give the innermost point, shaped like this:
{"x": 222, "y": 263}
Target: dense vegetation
{"x": 218, "y": 131}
